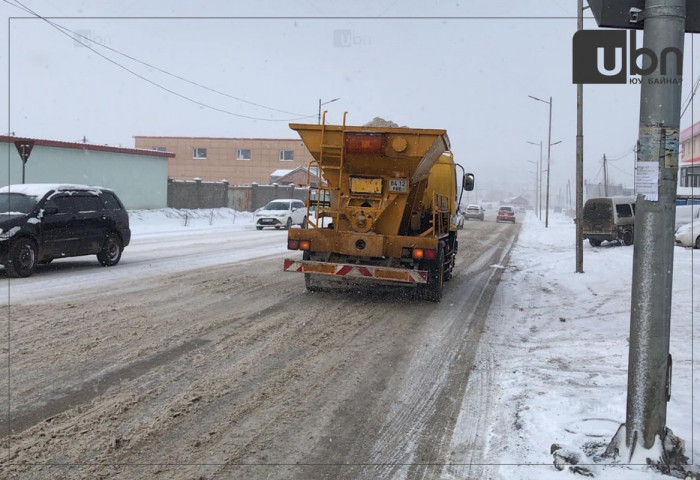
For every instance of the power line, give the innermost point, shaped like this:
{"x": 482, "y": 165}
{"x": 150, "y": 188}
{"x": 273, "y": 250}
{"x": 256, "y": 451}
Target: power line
{"x": 620, "y": 170}
{"x": 65, "y": 31}
{"x": 620, "y": 156}
{"x": 598, "y": 174}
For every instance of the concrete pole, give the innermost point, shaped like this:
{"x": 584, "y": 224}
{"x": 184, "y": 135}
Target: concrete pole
{"x": 549, "y": 148}
{"x": 648, "y": 384}
{"x": 605, "y": 175}
{"x": 579, "y": 160}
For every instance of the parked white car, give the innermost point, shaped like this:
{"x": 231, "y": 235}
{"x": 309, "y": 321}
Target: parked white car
{"x": 282, "y": 213}
{"x": 688, "y": 235}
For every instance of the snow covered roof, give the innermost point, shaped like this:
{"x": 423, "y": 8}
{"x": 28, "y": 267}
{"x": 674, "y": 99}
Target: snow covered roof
{"x": 86, "y": 146}
{"x": 41, "y": 189}
{"x": 280, "y": 172}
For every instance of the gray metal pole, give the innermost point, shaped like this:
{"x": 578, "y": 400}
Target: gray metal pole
{"x": 579, "y": 160}
{"x": 539, "y": 198}
{"x": 652, "y": 274}
{"x": 549, "y": 148}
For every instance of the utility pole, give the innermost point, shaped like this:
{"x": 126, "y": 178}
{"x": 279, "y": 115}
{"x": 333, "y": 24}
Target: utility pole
{"x": 549, "y": 148}
{"x": 323, "y": 103}
{"x": 605, "y": 175}
{"x": 649, "y": 371}
{"x": 649, "y": 377}
{"x": 579, "y": 159}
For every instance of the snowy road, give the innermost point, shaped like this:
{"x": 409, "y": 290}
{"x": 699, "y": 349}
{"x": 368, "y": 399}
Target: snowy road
{"x": 148, "y": 255}
{"x": 196, "y": 356}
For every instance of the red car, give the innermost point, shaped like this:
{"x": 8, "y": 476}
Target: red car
{"x": 506, "y": 214}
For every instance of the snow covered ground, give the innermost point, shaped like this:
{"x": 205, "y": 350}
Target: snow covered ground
{"x": 557, "y": 343}
{"x": 554, "y": 351}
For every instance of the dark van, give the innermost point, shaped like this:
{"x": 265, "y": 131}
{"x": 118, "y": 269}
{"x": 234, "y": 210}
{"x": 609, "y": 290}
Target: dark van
{"x": 41, "y": 222}
{"x": 609, "y": 218}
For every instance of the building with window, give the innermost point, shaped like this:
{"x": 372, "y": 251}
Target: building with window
{"x": 689, "y": 166}
{"x": 237, "y": 160}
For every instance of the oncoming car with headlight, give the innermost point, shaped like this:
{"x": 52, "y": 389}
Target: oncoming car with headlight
{"x": 42, "y": 222}
{"x": 283, "y": 212}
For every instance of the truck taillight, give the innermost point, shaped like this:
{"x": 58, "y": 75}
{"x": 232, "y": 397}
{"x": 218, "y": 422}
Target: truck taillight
{"x": 421, "y": 253}
{"x": 298, "y": 244}
{"x": 364, "y": 143}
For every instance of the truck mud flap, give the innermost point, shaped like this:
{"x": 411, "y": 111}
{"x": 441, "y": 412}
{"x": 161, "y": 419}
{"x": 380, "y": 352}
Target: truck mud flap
{"x": 402, "y": 275}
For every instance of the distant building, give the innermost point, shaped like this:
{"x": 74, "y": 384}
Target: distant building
{"x": 140, "y": 177}
{"x": 299, "y": 176}
{"x": 518, "y": 202}
{"x": 688, "y": 190}
{"x": 237, "y": 160}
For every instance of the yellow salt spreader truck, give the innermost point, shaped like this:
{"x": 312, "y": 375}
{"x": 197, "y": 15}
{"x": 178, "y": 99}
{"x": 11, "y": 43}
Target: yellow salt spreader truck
{"x": 384, "y": 207}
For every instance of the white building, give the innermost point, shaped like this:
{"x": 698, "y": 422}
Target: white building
{"x": 689, "y": 166}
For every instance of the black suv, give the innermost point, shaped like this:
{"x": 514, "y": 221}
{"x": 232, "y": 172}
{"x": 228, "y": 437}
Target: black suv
{"x": 40, "y": 222}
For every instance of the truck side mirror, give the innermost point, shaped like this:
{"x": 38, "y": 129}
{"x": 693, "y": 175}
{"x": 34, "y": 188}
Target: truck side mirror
{"x": 468, "y": 182}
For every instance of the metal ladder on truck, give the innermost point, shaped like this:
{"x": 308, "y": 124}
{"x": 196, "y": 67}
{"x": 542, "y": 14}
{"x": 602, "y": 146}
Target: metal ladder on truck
{"x": 330, "y": 158}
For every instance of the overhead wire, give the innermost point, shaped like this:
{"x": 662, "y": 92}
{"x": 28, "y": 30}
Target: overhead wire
{"x": 65, "y": 31}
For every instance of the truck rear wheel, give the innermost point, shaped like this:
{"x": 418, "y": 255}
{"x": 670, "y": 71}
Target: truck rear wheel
{"x": 594, "y": 242}
{"x": 436, "y": 278}
{"x": 308, "y": 281}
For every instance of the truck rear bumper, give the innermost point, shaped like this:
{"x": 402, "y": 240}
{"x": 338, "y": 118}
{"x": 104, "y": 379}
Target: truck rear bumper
{"x": 367, "y": 272}
{"x": 360, "y": 244}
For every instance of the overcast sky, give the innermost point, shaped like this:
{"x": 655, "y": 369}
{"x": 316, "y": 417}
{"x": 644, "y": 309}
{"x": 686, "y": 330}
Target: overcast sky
{"x": 471, "y": 76}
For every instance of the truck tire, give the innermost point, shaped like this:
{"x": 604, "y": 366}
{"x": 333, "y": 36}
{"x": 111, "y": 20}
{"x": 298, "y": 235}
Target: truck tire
{"x": 594, "y": 242}
{"x": 627, "y": 237}
{"x": 436, "y": 277}
{"x": 308, "y": 281}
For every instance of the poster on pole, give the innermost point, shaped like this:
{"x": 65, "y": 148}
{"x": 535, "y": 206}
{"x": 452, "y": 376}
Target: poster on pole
{"x": 647, "y": 180}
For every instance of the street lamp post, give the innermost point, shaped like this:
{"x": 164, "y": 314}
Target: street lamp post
{"x": 539, "y": 181}
{"x": 549, "y": 147}
{"x": 319, "y": 107}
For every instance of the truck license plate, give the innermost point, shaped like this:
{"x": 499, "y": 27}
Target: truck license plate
{"x": 398, "y": 185}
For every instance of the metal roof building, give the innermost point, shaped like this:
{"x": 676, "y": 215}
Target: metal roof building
{"x": 139, "y": 177}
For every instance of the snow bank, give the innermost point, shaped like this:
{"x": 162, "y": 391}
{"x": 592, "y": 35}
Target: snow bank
{"x": 559, "y": 343}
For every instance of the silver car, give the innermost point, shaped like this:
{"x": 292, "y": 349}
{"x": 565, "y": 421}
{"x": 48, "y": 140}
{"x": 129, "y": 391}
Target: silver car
{"x": 474, "y": 211}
